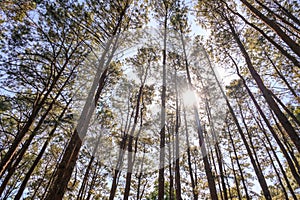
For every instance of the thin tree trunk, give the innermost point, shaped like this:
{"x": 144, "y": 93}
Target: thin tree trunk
{"x": 212, "y": 160}
{"x": 26, "y": 145}
{"x": 288, "y": 13}
{"x": 227, "y": 182}
{"x": 129, "y": 168}
{"x": 170, "y": 159}
{"x": 236, "y": 180}
{"x": 291, "y": 43}
{"x": 140, "y": 174}
{"x": 297, "y": 121}
{"x": 260, "y": 125}
{"x": 220, "y": 164}
{"x": 138, "y": 110}
{"x": 271, "y": 159}
{"x": 80, "y": 195}
{"x": 92, "y": 184}
{"x": 40, "y": 101}
{"x": 161, "y": 180}
{"x": 207, "y": 166}
{"x": 195, "y": 193}
{"x": 266, "y": 93}
{"x": 117, "y": 171}
{"x": 273, "y": 42}
{"x": 41, "y": 153}
{"x": 258, "y": 173}
{"x": 217, "y": 147}
{"x": 250, "y": 139}
{"x": 177, "y": 125}
{"x": 270, "y": 127}
{"x": 130, "y": 141}
{"x": 66, "y": 167}
{"x": 281, "y": 76}
{"x": 119, "y": 164}
{"x": 261, "y": 181}
{"x": 239, "y": 165}
{"x": 50, "y": 180}
{"x": 279, "y": 16}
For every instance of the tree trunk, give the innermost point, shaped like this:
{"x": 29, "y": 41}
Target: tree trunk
{"x": 117, "y": 171}
{"x": 294, "y": 28}
{"x": 195, "y": 193}
{"x": 220, "y": 164}
{"x": 288, "y": 13}
{"x": 260, "y": 125}
{"x": 130, "y": 143}
{"x": 41, "y": 153}
{"x": 266, "y": 93}
{"x": 282, "y": 77}
{"x": 258, "y": 173}
{"x": 39, "y": 103}
{"x": 80, "y": 195}
{"x": 239, "y": 166}
{"x": 207, "y": 166}
{"x": 270, "y": 127}
{"x": 161, "y": 180}
{"x": 236, "y": 180}
{"x": 286, "y": 109}
{"x": 67, "y": 164}
{"x": 273, "y": 42}
{"x": 272, "y": 24}
{"x": 92, "y": 184}
{"x": 140, "y": 174}
{"x": 177, "y": 161}
{"x": 171, "y": 177}
{"x": 250, "y": 139}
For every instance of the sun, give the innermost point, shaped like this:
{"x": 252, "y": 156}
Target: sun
{"x": 189, "y": 98}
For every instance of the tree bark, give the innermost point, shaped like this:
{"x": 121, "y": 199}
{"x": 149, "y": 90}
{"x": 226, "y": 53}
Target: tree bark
{"x": 267, "y": 122}
{"x": 266, "y": 93}
{"x": 274, "y": 43}
{"x": 239, "y": 166}
{"x": 272, "y": 24}
{"x": 193, "y": 184}
{"x": 161, "y": 180}
{"x": 41, "y": 153}
{"x": 259, "y": 123}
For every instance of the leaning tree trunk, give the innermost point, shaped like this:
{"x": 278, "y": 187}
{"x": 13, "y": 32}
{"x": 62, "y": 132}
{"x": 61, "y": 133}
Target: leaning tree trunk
{"x": 270, "y": 127}
{"x": 266, "y": 93}
{"x": 38, "y": 105}
{"x": 271, "y": 40}
{"x": 41, "y": 153}
{"x": 67, "y": 164}
{"x": 193, "y": 184}
{"x": 260, "y": 176}
{"x": 273, "y": 25}
{"x": 239, "y": 166}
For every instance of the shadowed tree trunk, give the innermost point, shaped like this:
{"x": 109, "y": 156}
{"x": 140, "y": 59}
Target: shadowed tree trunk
{"x": 266, "y": 93}
{"x": 41, "y": 153}
{"x": 272, "y": 41}
{"x": 39, "y": 103}
{"x": 270, "y": 127}
{"x": 273, "y": 25}
{"x": 161, "y": 179}
{"x": 67, "y": 164}
{"x": 193, "y": 184}
{"x": 239, "y": 166}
